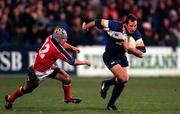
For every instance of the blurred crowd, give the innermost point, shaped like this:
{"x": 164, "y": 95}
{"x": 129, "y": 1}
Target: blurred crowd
{"x": 29, "y": 22}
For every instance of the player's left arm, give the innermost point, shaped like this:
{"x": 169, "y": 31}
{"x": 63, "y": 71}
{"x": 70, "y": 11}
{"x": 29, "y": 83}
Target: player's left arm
{"x": 140, "y": 47}
{"x": 133, "y": 51}
{"x": 73, "y": 61}
{"x": 68, "y": 46}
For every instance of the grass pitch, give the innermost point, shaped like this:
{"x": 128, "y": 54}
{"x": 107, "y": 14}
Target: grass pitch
{"x": 141, "y": 96}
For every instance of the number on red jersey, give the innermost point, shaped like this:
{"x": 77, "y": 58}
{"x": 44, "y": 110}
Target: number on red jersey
{"x": 45, "y": 48}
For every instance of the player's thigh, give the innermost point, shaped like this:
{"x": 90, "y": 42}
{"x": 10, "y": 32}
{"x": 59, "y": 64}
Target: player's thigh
{"x": 111, "y": 61}
{"x": 60, "y": 74}
{"x": 63, "y": 75}
{"x": 32, "y": 81}
{"x": 120, "y": 72}
{"x": 117, "y": 65}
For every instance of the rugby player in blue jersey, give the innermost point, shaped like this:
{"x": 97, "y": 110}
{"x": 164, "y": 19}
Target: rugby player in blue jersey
{"x": 114, "y": 56}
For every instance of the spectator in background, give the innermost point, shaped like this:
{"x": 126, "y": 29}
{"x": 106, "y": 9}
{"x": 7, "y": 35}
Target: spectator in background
{"x": 161, "y": 11}
{"x": 112, "y": 9}
{"x": 167, "y": 40}
{"x": 4, "y": 29}
{"x": 50, "y": 12}
{"x": 90, "y": 15}
{"x": 77, "y": 11}
{"x": 38, "y": 29}
{"x": 4, "y": 34}
{"x": 69, "y": 12}
{"x": 177, "y": 32}
{"x": 173, "y": 17}
{"x": 125, "y": 10}
{"x": 148, "y": 33}
{"x": 26, "y": 27}
{"x": 99, "y": 38}
{"x": 76, "y": 34}
{"x": 62, "y": 20}
{"x": 173, "y": 38}
{"x": 105, "y": 13}
{"x": 165, "y": 26}
{"x": 156, "y": 40}
{"x": 16, "y": 33}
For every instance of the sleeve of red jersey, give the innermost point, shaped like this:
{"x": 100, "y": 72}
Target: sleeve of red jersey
{"x": 62, "y": 53}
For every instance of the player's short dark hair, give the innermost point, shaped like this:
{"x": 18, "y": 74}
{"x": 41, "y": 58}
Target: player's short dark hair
{"x": 130, "y": 17}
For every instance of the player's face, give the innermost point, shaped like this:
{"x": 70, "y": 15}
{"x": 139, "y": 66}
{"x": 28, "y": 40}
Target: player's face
{"x": 131, "y": 26}
{"x": 63, "y": 41}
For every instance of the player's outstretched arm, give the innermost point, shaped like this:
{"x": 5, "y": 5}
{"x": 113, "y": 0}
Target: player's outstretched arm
{"x": 85, "y": 62}
{"x": 86, "y": 26}
{"x": 68, "y": 46}
{"x": 134, "y": 51}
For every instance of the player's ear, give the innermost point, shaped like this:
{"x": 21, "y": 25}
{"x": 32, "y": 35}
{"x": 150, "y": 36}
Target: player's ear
{"x": 125, "y": 24}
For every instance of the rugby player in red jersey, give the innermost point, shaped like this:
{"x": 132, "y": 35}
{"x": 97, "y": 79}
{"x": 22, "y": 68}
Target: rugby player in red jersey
{"x": 45, "y": 66}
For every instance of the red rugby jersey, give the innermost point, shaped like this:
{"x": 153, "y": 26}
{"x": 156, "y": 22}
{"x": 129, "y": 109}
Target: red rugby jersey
{"x": 50, "y": 51}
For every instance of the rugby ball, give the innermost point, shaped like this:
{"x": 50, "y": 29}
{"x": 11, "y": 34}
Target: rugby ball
{"x": 131, "y": 41}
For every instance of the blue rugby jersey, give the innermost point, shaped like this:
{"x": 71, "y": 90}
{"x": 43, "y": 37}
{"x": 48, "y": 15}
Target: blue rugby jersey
{"x": 114, "y": 29}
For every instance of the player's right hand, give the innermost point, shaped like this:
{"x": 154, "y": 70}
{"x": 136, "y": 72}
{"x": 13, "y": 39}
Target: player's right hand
{"x": 77, "y": 50}
{"x": 83, "y": 26}
{"x": 87, "y": 62}
{"x": 84, "y": 23}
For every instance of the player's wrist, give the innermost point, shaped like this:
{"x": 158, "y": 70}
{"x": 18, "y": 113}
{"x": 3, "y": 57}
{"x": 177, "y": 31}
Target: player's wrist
{"x": 84, "y": 26}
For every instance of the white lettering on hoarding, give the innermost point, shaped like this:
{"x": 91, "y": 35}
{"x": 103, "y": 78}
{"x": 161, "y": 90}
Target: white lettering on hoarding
{"x": 10, "y": 61}
{"x": 32, "y": 56}
{"x": 5, "y": 61}
{"x": 16, "y": 61}
{"x": 168, "y": 61}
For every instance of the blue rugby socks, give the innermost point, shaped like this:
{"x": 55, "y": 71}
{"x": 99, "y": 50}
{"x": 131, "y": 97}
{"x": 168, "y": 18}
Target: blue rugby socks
{"x": 112, "y": 81}
{"x": 118, "y": 88}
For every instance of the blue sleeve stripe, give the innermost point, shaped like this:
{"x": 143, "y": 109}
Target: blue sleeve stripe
{"x": 71, "y": 61}
{"x": 115, "y": 25}
{"x": 98, "y": 23}
{"x": 61, "y": 49}
{"x": 141, "y": 48}
{"x": 111, "y": 24}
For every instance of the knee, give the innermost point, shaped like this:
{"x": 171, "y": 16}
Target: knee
{"x": 123, "y": 79}
{"x": 27, "y": 91}
{"x": 126, "y": 79}
{"x": 29, "y": 87}
{"x": 67, "y": 80}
